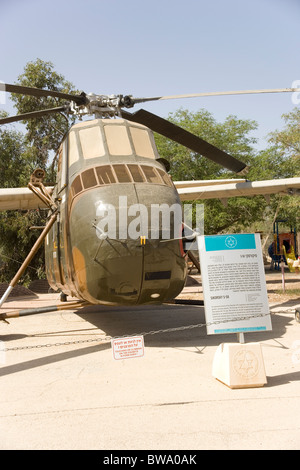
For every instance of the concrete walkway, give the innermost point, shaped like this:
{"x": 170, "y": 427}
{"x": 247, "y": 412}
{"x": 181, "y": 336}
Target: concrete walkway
{"x": 72, "y": 394}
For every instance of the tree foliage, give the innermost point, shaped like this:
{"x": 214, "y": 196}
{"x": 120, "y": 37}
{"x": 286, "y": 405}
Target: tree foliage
{"x": 287, "y": 141}
{"x": 231, "y": 136}
{"x": 14, "y": 165}
{"x": 20, "y": 154}
{"x": 286, "y": 145}
{"x": 279, "y": 160}
{"x": 44, "y": 134}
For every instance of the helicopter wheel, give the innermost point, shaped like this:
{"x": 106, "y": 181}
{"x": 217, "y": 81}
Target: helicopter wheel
{"x": 63, "y": 297}
{"x": 297, "y": 316}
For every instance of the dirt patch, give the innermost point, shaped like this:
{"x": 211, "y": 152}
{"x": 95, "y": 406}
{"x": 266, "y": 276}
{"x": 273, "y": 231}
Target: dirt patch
{"x": 282, "y": 288}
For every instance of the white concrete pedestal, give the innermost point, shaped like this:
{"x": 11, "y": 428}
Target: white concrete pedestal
{"x": 239, "y": 365}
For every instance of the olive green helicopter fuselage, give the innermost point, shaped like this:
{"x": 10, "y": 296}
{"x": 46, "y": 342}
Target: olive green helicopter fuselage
{"x": 103, "y": 247}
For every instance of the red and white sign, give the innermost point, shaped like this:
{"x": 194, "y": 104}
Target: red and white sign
{"x": 127, "y": 348}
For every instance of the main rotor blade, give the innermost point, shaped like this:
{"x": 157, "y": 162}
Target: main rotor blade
{"x": 183, "y": 137}
{"x": 217, "y": 93}
{"x": 39, "y": 92}
{"x": 33, "y": 114}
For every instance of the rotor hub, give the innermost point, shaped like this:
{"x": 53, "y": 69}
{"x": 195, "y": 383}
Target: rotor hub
{"x": 102, "y": 106}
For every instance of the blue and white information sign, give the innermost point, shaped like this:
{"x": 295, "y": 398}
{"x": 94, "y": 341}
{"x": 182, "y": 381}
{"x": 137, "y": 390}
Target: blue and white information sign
{"x": 234, "y": 284}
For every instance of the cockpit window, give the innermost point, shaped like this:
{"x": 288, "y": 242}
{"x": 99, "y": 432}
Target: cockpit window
{"x": 136, "y": 173}
{"x": 105, "y": 174}
{"x": 76, "y": 185}
{"x": 141, "y": 142}
{"x": 117, "y": 140}
{"x": 165, "y": 177}
{"x": 88, "y": 178}
{"x": 122, "y": 173}
{"x": 91, "y": 142}
{"x": 119, "y": 173}
{"x": 151, "y": 175}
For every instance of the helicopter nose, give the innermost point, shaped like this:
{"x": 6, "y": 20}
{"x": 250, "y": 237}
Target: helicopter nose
{"x": 107, "y": 266}
{"x": 123, "y": 266}
{"x": 108, "y": 271}
{"x": 129, "y": 272}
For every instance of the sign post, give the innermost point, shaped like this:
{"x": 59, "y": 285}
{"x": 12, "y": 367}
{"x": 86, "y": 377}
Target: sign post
{"x": 236, "y": 301}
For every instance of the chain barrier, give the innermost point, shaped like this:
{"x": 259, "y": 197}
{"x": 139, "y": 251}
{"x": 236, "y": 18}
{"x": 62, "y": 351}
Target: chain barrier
{"x": 154, "y": 332}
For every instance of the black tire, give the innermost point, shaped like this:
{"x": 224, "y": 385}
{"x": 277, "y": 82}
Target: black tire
{"x": 63, "y": 297}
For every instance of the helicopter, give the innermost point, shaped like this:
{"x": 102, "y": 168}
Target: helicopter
{"x": 101, "y": 243}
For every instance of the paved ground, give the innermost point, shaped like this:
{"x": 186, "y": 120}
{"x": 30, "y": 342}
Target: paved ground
{"x": 76, "y": 396}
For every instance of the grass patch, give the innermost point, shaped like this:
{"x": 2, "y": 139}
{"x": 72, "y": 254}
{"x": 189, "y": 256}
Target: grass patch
{"x": 287, "y": 291}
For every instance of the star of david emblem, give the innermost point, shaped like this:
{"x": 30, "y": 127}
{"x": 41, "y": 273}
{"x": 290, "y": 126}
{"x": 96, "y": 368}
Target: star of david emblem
{"x": 230, "y": 242}
{"x": 245, "y": 363}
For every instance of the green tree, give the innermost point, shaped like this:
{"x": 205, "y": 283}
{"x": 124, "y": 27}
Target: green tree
{"x": 20, "y": 154}
{"x": 287, "y": 141}
{"x": 286, "y": 146}
{"x": 43, "y": 135}
{"x": 16, "y": 240}
{"x": 232, "y": 136}
{"x": 15, "y": 237}
{"x": 14, "y": 166}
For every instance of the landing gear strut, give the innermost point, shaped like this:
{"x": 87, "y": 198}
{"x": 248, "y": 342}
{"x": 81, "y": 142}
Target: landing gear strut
{"x": 39, "y": 189}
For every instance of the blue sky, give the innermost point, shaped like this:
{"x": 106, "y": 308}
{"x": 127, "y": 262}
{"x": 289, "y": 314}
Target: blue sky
{"x": 163, "y": 47}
